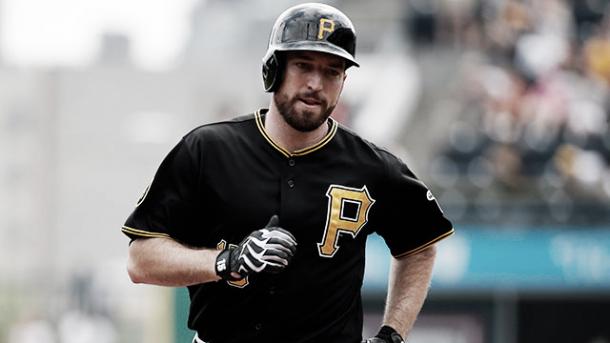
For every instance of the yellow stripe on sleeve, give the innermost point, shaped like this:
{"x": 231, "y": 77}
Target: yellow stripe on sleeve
{"x": 424, "y": 246}
{"x": 142, "y": 233}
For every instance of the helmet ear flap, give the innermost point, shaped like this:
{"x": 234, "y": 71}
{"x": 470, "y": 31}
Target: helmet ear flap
{"x": 272, "y": 72}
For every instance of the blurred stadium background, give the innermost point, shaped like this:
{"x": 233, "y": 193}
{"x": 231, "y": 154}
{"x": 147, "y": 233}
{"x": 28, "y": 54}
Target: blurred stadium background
{"x": 500, "y": 106}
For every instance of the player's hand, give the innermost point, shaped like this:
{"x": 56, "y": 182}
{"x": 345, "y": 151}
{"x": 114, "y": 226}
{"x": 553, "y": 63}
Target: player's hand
{"x": 268, "y": 250}
{"x": 386, "y": 335}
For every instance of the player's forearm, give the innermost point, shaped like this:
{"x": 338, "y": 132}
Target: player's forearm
{"x": 165, "y": 262}
{"x": 407, "y": 289}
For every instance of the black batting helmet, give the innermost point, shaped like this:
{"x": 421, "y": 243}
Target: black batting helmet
{"x": 310, "y": 27}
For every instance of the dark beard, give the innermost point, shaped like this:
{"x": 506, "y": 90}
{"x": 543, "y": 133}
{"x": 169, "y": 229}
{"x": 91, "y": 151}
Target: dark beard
{"x": 308, "y": 121}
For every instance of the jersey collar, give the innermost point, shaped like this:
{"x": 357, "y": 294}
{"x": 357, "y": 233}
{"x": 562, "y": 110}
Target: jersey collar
{"x": 329, "y": 136}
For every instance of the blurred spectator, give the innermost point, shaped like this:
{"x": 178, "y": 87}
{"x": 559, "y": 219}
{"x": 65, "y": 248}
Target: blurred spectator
{"x": 596, "y": 55}
{"x": 533, "y": 89}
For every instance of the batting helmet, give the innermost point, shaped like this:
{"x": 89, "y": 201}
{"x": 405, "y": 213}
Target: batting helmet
{"x": 309, "y": 27}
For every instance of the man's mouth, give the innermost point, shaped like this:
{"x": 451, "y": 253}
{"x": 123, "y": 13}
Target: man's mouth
{"x": 311, "y": 101}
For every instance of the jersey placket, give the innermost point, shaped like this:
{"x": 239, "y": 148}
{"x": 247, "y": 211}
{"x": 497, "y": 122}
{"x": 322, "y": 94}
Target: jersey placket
{"x": 288, "y": 189}
{"x": 269, "y": 291}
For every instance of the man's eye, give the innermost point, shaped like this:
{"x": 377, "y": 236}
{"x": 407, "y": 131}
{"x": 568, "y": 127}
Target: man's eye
{"x": 333, "y": 72}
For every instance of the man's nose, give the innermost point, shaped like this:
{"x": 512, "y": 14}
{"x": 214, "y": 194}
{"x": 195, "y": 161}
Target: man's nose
{"x": 314, "y": 81}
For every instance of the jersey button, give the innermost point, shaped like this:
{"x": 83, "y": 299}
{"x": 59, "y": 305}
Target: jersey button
{"x": 291, "y": 162}
{"x": 291, "y": 183}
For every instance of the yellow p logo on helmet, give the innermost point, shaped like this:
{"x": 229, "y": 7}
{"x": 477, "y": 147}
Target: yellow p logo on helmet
{"x": 326, "y": 25}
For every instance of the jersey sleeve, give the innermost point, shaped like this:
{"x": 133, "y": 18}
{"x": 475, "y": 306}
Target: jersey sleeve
{"x": 412, "y": 219}
{"x": 167, "y": 207}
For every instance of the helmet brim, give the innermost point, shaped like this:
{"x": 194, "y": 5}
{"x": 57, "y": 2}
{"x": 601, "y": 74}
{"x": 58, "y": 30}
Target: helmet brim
{"x": 318, "y": 47}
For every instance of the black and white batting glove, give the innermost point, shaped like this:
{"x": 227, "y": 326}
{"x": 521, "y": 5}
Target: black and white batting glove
{"x": 268, "y": 250}
{"x": 386, "y": 335}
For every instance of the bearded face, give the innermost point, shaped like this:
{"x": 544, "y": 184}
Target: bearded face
{"x": 303, "y": 118}
{"x": 310, "y": 89}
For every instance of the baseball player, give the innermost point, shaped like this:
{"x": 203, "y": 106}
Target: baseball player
{"x": 265, "y": 217}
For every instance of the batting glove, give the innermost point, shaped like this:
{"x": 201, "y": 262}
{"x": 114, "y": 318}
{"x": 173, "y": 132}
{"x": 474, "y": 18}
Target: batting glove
{"x": 386, "y": 335}
{"x": 269, "y": 250}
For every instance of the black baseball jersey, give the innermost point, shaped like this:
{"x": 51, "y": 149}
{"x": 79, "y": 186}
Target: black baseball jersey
{"x": 226, "y": 179}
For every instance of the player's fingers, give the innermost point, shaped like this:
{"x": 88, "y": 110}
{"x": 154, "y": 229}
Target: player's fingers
{"x": 281, "y": 253}
{"x": 279, "y": 248}
{"x": 276, "y": 260}
{"x": 289, "y": 234}
{"x": 284, "y": 243}
{"x": 280, "y": 234}
{"x": 275, "y": 267}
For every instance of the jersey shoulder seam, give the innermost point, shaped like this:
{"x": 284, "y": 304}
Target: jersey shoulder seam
{"x": 372, "y": 145}
{"x": 366, "y": 141}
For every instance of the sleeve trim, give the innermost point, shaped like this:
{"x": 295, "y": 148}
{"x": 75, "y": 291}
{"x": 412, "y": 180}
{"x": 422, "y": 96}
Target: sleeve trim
{"x": 142, "y": 233}
{"x": 426, "y": 245}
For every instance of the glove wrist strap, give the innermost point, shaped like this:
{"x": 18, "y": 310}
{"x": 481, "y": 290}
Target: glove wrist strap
{"x": 385, "y": 331}
{"x": 388, "y": 334}
{"x": 223, "y": 265}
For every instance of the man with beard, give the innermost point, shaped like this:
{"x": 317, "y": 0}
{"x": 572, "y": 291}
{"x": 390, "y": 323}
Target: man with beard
{"x": 320, "y": 188}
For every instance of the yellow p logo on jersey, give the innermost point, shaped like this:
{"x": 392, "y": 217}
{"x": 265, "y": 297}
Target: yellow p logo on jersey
{"x": 326, "y": 25}
{"x": 340, "y": 220}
